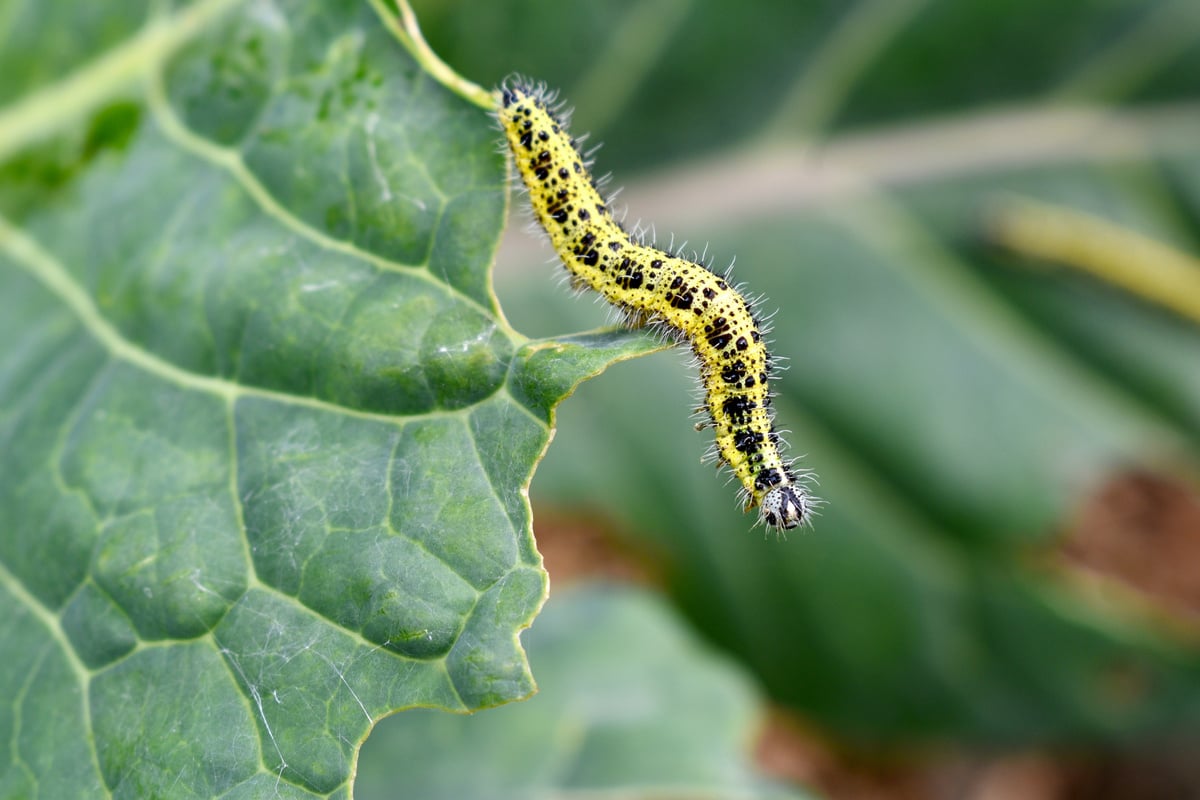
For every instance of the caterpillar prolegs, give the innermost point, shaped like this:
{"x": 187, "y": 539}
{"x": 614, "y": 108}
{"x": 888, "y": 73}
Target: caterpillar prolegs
{"x": 650, "y": 286}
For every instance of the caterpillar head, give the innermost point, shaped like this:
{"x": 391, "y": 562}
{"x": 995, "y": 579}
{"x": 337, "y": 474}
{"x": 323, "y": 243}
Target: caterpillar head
{"x": 786, "y": 507}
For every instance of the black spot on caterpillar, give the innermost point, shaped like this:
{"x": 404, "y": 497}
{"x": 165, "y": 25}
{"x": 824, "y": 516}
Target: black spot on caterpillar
{"x": 652, "y": 287}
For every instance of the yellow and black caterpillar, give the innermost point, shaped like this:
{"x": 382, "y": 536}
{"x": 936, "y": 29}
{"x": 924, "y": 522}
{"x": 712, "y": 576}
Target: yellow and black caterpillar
{"x": 657, "y": 288}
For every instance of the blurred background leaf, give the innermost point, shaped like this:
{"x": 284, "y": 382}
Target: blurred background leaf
{"x": 971, "y": 419}
{"x": 629, "y": 705}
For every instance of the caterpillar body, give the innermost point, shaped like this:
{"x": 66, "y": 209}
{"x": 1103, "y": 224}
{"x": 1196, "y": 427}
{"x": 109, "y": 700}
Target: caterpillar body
{"x": 654, "y": 287}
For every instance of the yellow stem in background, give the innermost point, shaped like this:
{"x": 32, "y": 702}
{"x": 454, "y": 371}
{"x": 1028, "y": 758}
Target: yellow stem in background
{"x": 1145, "y": 267}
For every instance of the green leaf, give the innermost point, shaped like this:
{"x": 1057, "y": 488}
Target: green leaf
{"x": 265, "y": 435}
{"x": 629, "y": 704}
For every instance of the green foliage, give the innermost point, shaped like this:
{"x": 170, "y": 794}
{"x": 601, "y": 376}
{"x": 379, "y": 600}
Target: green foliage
{"x": 958, "y": 407}
{"x": 264, "y": 433}
{"x": 627, "y": 702}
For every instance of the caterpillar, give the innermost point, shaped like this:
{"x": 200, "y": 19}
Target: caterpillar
{"x": 682, "y": 298}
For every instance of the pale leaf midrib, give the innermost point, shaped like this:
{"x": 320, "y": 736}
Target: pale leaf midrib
{"x": 56, "y": 106}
